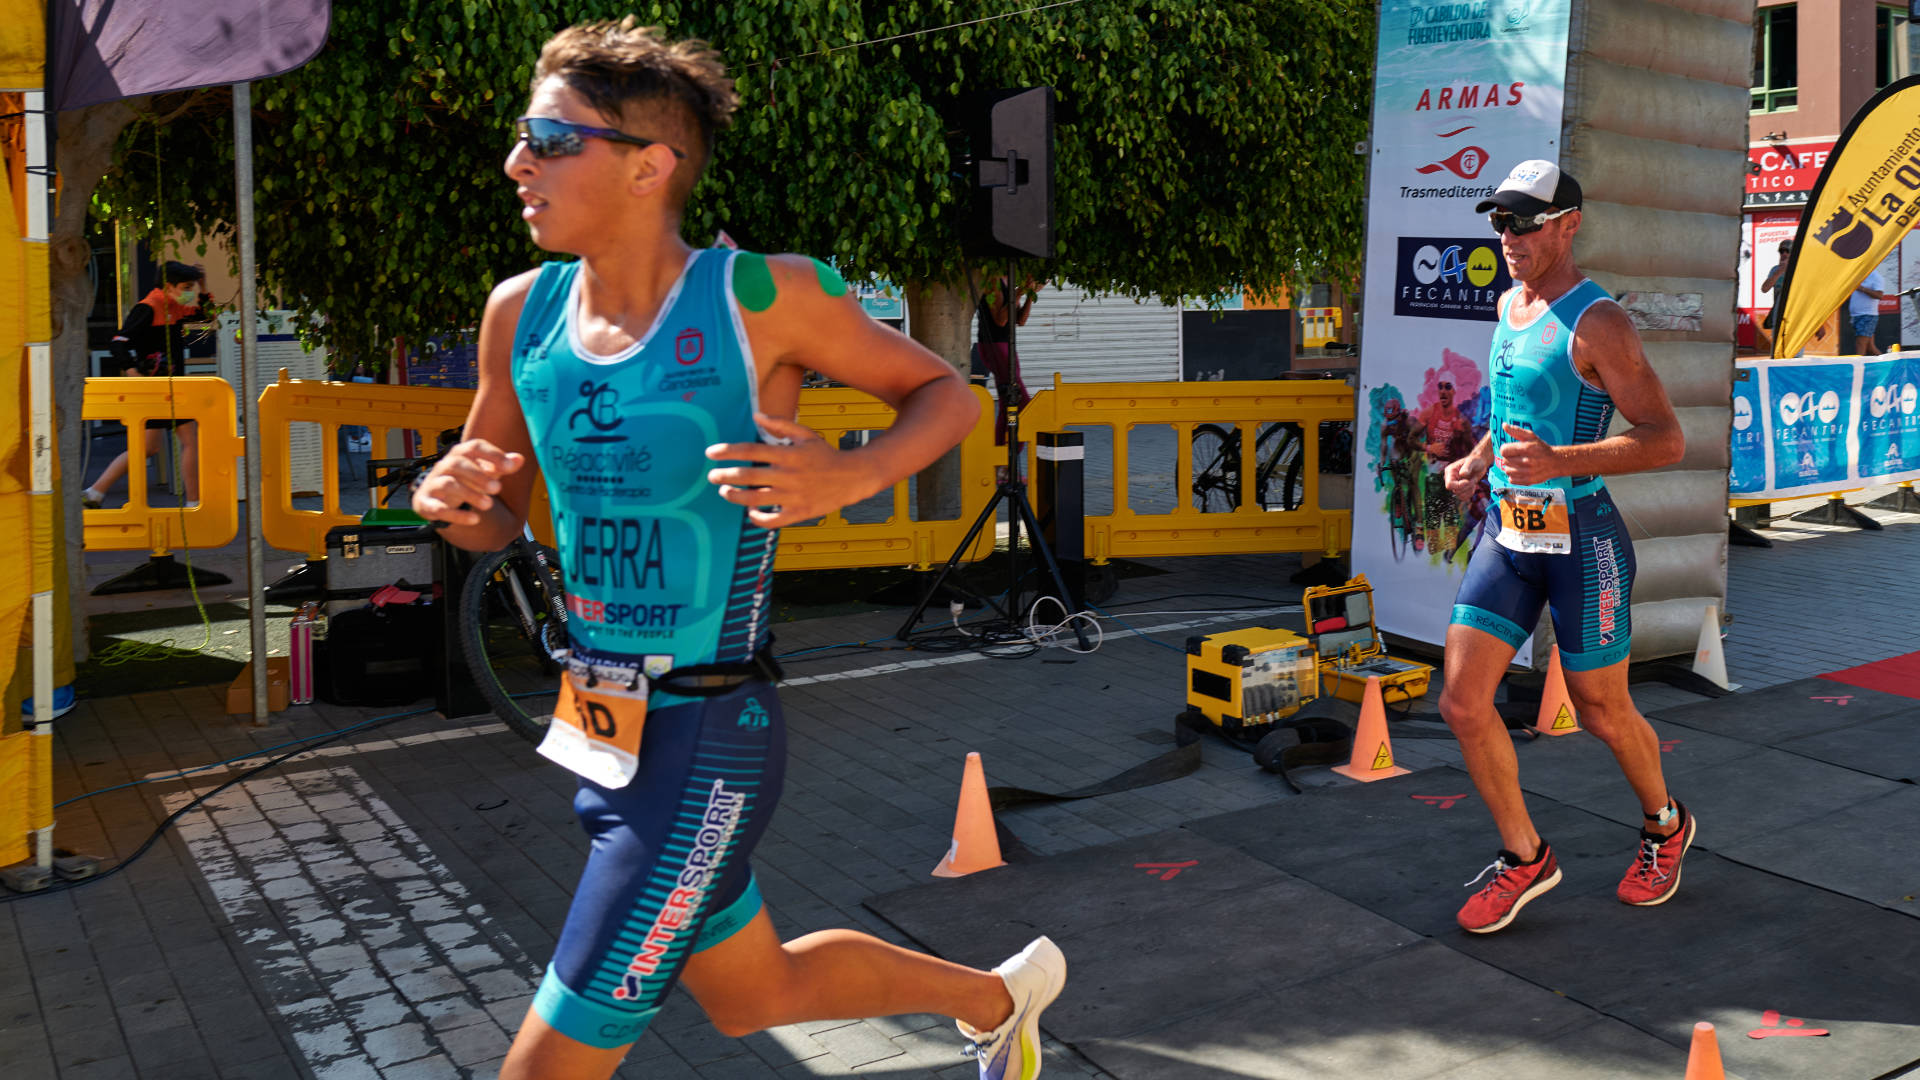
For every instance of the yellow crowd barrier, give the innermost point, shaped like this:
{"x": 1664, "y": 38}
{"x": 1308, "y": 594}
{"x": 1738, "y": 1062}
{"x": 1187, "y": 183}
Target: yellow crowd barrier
{"x": 1187, "y": 530}
{"x": 215, "y": 520}
{"x": 386, "y": 411}
{"x": 835, "y": 543}
{"x": 1319, "y": 326}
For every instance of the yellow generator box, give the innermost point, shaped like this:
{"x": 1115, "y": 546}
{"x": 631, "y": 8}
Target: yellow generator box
{"x": 1244, "y": 680}
{"x": 1340, "y": 625}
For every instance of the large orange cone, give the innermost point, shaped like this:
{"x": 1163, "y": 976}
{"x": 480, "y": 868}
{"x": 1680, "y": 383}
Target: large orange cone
{"x": 1372, "y": 752}
{"x": 1557, "y": 716}
{"x": 975, "y": 845}
{"x": 1703, "y": 1061}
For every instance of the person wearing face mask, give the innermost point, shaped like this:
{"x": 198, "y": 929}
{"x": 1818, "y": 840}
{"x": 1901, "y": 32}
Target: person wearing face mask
{"x": 153, "y": 341}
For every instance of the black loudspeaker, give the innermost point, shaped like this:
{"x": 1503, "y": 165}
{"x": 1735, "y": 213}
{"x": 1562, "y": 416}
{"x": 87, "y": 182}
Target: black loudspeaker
{"x": 1010, "y": 142}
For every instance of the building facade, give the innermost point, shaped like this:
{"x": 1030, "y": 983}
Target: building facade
{"x": 1815, "y": 63}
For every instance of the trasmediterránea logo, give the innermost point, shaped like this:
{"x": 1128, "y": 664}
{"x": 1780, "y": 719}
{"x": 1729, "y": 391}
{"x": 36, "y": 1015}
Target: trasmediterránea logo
{"x": 1449, "y": 278}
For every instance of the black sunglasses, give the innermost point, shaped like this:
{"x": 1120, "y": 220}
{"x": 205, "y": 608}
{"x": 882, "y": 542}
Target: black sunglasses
{"x": 547, "y": 137}
{"x": 1506, "y": 222}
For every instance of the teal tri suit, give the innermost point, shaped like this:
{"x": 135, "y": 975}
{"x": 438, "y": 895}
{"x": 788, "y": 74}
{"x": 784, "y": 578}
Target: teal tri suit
{"x": 1580, "y": 560}
{"x": 662, "y": 575}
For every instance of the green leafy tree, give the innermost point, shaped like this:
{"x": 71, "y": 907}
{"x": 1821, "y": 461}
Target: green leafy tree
{"x": 1201, "y": 148}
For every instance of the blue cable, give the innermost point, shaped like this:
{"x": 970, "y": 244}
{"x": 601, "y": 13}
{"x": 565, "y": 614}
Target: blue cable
{"x": 243, "y": 757}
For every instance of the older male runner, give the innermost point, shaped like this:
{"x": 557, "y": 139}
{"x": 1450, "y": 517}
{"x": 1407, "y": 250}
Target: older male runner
{"x": 1564, "y": 357}
{"x": 630, "y": 375}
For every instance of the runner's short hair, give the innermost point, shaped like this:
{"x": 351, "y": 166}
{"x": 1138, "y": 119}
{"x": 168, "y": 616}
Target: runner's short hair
{"x": 675, "y": 91}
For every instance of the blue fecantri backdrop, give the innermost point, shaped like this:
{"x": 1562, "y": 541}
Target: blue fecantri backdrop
{"x": 1818, "y": 425}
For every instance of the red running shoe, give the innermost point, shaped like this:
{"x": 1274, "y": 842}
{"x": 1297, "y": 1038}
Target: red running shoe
{"x": 1655, "y": 874}
{"x": 1514, "y": 884}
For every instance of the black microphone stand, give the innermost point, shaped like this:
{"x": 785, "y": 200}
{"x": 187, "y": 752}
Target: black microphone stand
{"x": 1011, "y": 490}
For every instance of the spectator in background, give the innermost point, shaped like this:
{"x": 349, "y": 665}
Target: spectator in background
{"x": 1864, "y": 308}
{"x": 996, "y": 354}
{"x": 1769, "y": 285}
{"x": 153, "y": 341}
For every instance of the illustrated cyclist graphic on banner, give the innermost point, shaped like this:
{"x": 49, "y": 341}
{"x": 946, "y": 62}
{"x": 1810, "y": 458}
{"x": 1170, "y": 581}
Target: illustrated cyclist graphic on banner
{"x": 1410, "y": 447}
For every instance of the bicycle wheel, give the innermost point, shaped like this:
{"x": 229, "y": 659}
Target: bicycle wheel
{"x": 512, "y": 623}
{"x": 1279, "y": 485}
{"x": 1216, "y": 469}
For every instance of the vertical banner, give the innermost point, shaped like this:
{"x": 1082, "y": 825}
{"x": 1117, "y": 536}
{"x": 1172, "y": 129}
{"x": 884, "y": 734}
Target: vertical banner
{"x": 1462, "y": 93}
{"x": 1747, "y": 471}
{"x": 1812, "y": 421}
{"x": 1889, "y": 411}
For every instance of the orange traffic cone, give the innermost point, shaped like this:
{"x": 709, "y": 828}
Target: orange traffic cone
{"x": 1703, "y": 1061}
{"x": 1556, "y": 707}
{"x": 1372, "y": 752}
{"x": 975, "y": 845}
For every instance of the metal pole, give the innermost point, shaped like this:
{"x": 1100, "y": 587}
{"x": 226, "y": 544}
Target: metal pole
{"x": 39, "y": 138}
{"x": 250, "y": 395}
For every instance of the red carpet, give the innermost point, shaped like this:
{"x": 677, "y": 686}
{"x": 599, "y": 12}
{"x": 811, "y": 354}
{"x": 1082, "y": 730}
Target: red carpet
{"x": 1898, "y": 675}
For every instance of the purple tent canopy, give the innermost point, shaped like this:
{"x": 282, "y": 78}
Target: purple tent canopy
{"x": 106, "y": 50}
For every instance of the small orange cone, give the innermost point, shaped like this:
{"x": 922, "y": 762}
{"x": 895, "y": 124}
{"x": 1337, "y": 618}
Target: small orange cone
{"x": 975, "y": 845}
{"x": 1703, "y": 1061}
{"x": 1372, "y": 752}
{"x": 1556, "y": 707}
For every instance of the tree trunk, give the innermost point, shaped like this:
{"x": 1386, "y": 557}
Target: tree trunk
{"x": 82, "y": 156}
{"x": 940, "y": 317}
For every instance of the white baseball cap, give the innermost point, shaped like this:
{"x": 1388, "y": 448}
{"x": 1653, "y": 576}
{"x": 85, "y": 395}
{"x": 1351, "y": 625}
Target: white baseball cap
{"x": 1533, "y": 187}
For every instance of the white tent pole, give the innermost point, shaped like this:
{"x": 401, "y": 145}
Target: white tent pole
{"x": 250, "y": 396}
{"x": 40, "y": 406}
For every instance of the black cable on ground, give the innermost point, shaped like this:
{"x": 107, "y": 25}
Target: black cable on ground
{"x": 168, "y": 822}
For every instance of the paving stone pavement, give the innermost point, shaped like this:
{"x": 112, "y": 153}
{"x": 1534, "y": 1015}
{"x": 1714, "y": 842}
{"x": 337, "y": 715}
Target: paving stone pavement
{"x": 380, "y": 906}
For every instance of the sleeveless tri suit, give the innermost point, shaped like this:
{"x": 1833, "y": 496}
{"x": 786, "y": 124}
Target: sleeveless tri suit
{"x": 662, "y": 575}
{"x": 1561, "y": 542}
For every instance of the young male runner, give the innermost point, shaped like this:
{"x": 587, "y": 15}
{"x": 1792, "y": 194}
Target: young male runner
{"x": 629, "y": 377}
{"x": 1564, "y": 356}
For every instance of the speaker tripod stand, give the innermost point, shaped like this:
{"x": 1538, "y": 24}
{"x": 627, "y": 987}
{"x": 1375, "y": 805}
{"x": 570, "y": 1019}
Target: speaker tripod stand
{"x": 1012, "y": 490}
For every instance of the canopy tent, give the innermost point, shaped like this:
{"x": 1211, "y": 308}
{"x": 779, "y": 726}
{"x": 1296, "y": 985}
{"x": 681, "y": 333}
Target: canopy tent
{"x": 101, "y": 51}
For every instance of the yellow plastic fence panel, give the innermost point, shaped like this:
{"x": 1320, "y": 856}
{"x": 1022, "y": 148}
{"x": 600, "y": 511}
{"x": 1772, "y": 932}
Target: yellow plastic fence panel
{"x": 1249, "y": 528}
{"x": 836, "y": 543}
{"x": 387, "y": 412}
{"x": 215, "y": 520}
{"x": 833, "y": 543}
{"x": 1319, "y": 326}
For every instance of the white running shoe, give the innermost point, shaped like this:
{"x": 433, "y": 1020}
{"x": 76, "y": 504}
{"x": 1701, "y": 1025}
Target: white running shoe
{"x": 1034, "y": 977}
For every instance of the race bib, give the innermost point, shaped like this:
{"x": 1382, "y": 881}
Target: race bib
{"x": 596, "y": 726}
{"x": 1535, "y": 521}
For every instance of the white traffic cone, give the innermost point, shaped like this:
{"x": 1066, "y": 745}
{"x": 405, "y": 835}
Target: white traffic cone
{"x": 1709, "y": 656}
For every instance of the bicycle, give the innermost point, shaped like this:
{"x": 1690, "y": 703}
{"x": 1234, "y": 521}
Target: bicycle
{"x": 513, "y": 632}
{"x": 1278, "y": 462}
{"x": 513, "y": 613}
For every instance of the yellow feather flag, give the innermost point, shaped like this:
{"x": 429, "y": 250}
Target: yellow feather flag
{"x": 1866, "y": 199}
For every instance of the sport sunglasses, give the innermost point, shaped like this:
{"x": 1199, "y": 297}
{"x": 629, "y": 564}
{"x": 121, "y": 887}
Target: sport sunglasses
{"x": 1506, "y": 222}
{"x": 547, "y": 137}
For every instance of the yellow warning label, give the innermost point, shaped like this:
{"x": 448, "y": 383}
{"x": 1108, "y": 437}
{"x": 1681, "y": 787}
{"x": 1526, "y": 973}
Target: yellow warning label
{"x": 1383, "y": 758}
{"x": 1564, "y": 719}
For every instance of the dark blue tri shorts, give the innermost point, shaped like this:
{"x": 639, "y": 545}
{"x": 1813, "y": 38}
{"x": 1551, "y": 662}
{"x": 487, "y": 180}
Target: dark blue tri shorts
{"x": 1590, "y": 588}
{"x": 667, "y": 876}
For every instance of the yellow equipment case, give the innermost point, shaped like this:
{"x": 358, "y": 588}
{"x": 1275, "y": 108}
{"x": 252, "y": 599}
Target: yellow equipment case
{"x": 1244, "y": 680}
{"x": 1340, "y": 625}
